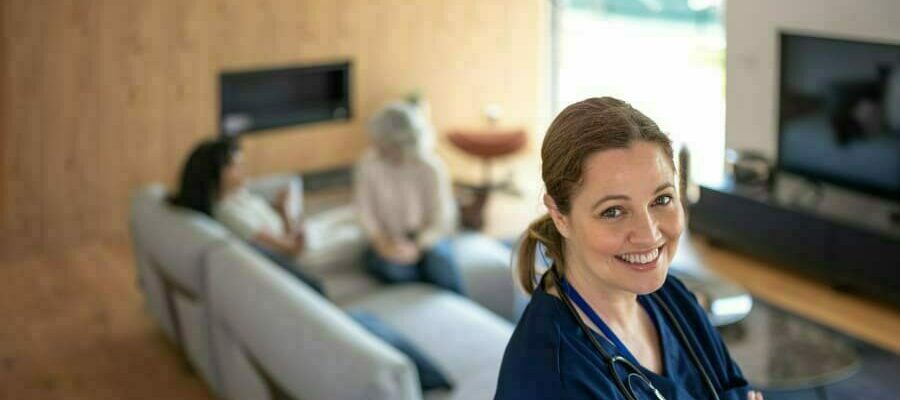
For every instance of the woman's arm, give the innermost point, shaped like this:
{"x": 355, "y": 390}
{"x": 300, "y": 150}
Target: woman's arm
{"x": 288, "y": 205}
{"x": 291, "y": 245}
{"x": 366, "y": 209}
{"x": 250, "y": 227}
{"x": 439, "y": 205}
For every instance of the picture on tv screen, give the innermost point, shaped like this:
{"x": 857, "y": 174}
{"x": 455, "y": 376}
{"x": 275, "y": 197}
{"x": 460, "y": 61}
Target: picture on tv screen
{"x": 839, "y": 112}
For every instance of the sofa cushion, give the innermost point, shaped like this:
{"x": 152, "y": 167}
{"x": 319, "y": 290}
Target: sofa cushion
{"x": 487, "y": 277}
{"x": 466, "y": 340}
{"x": 334, "y": 242}
{"x": 344, "y": 287}
{"x": 430, "y": 375}
{"x": 300, "y": 340}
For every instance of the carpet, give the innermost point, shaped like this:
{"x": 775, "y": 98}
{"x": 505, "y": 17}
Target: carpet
{"x": 773, "y": 342}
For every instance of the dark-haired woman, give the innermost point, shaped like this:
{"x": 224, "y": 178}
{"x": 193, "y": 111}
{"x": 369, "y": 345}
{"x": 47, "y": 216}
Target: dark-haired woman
{"x": 213, "y": 183}
{"x": 606, "y": 321}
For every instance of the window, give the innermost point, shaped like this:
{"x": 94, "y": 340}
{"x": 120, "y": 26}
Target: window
{"x": 665, "y": 57}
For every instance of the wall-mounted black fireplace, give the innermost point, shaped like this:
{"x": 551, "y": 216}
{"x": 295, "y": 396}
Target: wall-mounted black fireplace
{"x": 272, "y": 98}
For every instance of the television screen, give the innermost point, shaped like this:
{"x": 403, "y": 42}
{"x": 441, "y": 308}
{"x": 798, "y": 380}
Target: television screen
{"x": 839, "y": 112}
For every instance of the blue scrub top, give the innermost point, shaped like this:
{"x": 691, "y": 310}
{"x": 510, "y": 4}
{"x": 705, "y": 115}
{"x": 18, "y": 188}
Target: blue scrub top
{"x": 549, "y": 356}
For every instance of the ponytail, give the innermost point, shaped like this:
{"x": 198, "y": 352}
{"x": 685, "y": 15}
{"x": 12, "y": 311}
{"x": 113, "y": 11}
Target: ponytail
{"x": 542, "y": 231}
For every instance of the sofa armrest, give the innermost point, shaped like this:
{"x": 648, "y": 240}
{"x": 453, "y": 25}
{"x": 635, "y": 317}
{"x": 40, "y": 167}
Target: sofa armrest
{"x": 485, "y": 267}
{"x": 270, "y": 329}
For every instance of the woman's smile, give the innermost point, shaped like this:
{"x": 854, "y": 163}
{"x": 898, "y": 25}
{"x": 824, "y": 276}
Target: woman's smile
{"x": 642, "y": 260}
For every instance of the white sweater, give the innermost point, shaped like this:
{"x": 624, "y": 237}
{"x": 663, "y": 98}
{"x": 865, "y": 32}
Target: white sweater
{"x": 414, "y": 196}
{"x": 247, "y": 214}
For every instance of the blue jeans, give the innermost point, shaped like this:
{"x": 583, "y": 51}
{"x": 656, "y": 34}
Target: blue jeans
{"x": 437, "y": 266}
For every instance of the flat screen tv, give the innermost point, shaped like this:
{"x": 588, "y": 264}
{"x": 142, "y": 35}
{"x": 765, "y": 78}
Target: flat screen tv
{"x": 839, "y": 112}
{"x": 257, "y": 100}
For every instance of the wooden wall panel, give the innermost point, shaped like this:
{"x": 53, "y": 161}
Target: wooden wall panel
{"x": 4, "y": 120}
{"x": 84, "y": 32}
{"x": 25, "y": 40}
{"x": 100, "y": 97}
{"x": 114, "y": 95}
{"x": 56, "y": 182}
{"x": 190, "y": 82}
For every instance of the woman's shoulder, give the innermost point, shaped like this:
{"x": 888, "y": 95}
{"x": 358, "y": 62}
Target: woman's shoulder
{"x": 679, "y": 300}
{"x": 673, "y": 289}
{"x": 240, "y": 197}
{"x": 530, "y": 368}
{"x": 540, "y": 320}
{"x": 369, "y": 167}
{"x": 228, "y": 202}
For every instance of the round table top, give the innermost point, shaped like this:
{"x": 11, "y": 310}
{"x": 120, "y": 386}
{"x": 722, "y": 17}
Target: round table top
{"x": 487, "y": 143}
{"x": 777, "y": 350}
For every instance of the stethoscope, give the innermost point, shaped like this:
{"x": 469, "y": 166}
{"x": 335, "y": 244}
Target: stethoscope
{"x": 633, "y": 373}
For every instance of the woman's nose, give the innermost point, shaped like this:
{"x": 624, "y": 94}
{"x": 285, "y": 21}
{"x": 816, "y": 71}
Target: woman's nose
{"x": 645, "y": 229}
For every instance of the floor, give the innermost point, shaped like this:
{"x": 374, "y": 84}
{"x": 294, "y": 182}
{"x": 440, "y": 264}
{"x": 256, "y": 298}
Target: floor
{"x": 75, "y": 329}
{"x": 872, "y": 321}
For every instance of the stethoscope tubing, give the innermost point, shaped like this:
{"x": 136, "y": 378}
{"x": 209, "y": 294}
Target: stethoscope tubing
{"x": 633, "y": 370}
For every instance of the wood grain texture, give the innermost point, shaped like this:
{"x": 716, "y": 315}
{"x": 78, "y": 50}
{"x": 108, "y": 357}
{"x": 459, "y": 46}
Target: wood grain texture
{"x": 84, "y": 301}
{"x": 4, "y": 118}
{"x": 103, "y": 96}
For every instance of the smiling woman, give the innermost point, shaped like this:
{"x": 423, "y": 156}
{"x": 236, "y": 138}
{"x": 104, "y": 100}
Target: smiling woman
{"x": 624, "y": 240}
{"x": 612, "y": 229}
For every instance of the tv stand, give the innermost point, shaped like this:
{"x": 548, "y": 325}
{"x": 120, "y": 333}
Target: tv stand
{"x": 849, "y": 240}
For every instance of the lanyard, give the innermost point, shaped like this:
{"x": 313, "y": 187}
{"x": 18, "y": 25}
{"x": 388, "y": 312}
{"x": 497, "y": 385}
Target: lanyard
{"x": 587, "y": 310}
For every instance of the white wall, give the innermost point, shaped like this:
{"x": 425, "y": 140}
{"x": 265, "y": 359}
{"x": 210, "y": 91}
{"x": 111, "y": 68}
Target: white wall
{"x": 751, "y": 29}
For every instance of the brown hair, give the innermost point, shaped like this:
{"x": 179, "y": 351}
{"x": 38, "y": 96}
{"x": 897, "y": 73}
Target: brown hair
{"x": 579, "y": 131}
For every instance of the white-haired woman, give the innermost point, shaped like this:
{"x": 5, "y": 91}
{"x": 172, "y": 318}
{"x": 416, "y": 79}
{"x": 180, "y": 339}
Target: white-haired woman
{"x": 404, "y": 201}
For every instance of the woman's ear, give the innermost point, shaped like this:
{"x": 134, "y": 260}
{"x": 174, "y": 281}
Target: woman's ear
{"x": 561, "y": 221}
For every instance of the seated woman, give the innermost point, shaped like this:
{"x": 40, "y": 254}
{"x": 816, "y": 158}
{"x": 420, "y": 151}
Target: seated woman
{"x": 213, "y": 183}
{"x": 404, "y": 202}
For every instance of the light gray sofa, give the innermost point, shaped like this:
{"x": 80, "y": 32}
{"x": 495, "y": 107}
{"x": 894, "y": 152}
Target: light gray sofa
{"x": 253, "y": 331}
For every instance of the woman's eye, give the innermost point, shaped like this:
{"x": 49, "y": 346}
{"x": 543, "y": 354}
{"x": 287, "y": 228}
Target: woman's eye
{"x": 663, "y": 200}
{"x": 612, "y": 212}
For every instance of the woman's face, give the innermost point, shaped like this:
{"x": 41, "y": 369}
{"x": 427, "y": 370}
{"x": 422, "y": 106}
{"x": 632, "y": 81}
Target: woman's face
{"x": 233, "y": 174}
{"x": 396, "y": 153}
{"x": 623, "y": 228}
{"x": 393, "y": 154}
